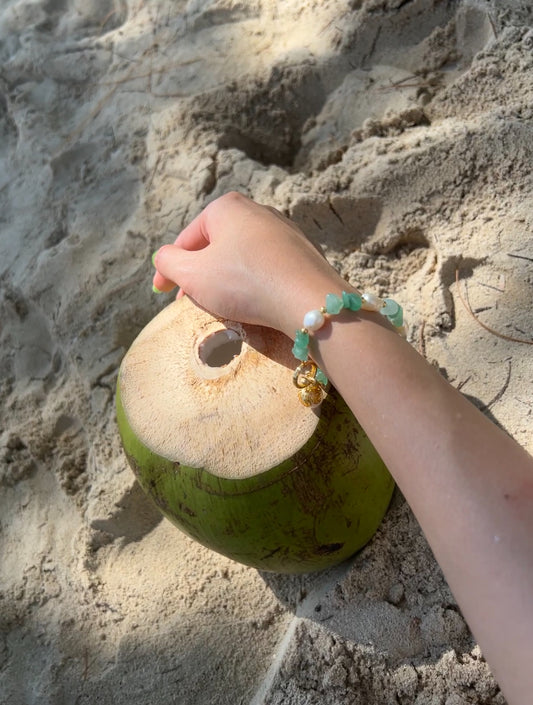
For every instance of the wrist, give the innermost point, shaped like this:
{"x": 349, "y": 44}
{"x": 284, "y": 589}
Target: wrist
{"x": 309, "y": 375}
{"x": 307, "y": 295}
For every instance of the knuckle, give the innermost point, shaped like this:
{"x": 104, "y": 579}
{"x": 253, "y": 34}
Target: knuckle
{"x": 220, "y": 204}
{"x": 233, "y": 197}
{"x": 163, "y": 252}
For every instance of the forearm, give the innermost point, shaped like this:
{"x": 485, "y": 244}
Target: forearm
{"x": 468, "y": 483}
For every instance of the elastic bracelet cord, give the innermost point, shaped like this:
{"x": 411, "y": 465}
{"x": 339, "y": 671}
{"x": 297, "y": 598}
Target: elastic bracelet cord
{"x": 308, "y": 377}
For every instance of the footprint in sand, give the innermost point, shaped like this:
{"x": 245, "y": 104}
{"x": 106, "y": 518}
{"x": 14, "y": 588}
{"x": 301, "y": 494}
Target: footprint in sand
{"x": 61, "y": 17}
{"x": 25, "y": 333}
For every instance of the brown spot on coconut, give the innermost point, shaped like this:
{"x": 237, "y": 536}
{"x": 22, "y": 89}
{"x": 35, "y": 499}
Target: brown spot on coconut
{"x": 213, "y": 429}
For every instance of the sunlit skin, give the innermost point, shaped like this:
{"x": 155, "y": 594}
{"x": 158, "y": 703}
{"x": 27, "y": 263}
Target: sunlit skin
{"x": 468, "y": 483}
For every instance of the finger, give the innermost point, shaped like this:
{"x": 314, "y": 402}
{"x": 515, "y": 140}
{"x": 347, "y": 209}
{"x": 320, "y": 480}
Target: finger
{"x": 165, "y": 281}
{"x": 161, "y": 284}
{"x": 174, "y": 266}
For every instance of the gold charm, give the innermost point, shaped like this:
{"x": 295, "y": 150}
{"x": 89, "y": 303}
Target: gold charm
{"x": 304, "y": 374}
{"x": 312, "y": 394}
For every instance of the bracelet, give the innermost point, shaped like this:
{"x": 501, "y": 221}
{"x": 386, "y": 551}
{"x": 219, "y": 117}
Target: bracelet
{"x": 308, "y": 377}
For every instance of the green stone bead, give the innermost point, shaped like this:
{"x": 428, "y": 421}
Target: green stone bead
{"x": 390, "y": 308}
{"x": 333, "y": 303}
{"x": 321, "y": 377}
{"x": 300, "y": 352}
{"x": 301, "y": 339}
{"x": 397, "y": 320}
{"x": 351, "y": 301}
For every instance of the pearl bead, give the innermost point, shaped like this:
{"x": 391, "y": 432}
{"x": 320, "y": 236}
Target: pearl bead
{"x": 371, "y": 302}
{"x": 313, "y": 320}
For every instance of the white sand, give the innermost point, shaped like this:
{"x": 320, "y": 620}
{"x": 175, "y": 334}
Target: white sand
{"x": 400, "y": 135}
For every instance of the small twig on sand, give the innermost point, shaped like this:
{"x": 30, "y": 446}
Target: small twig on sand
{"x": 106, "y": 19}
{"x": 483, "y": 325}
{"x": 422, "y": 340}
{"x": 462, "y": 384}
{"x": 529, "y": 259}
{"x": 501, "y": 392}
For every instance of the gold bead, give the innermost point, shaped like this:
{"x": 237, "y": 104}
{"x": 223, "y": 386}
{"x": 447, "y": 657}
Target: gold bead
{"x": 323, "y": 309}
{"x": 311, "y": 395}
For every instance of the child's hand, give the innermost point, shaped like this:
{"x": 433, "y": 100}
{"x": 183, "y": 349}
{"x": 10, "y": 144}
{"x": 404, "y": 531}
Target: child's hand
{"x": 247, "y": 262}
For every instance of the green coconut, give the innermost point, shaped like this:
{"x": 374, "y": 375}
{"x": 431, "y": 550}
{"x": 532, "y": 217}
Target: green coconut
{"x": 212, "y": 427}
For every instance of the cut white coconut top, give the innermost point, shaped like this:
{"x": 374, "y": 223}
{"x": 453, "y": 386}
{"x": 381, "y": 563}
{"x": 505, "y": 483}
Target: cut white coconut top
{"x": 194, "y": 394}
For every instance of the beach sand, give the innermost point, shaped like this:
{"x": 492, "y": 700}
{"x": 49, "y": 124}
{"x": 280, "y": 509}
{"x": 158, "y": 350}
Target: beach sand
{"x": 399, "y": 135}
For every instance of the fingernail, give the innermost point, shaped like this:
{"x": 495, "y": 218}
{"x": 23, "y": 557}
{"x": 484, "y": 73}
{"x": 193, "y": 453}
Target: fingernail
{"x": 153, "y": 257}
{"x": 156, "y": 290}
